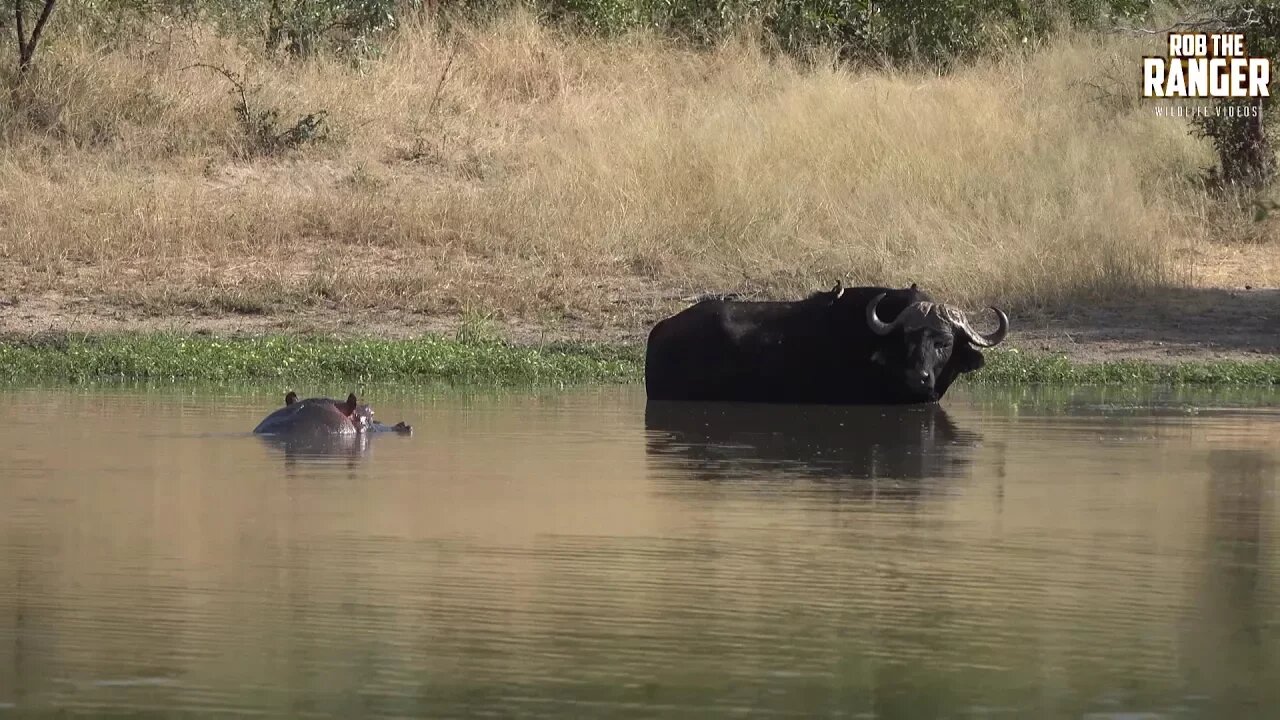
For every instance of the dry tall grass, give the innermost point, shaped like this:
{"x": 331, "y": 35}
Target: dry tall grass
{"x": 549, "y": 175}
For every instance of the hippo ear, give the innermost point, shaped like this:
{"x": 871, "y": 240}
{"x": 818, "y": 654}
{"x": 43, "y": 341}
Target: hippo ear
{"x": 350, "y": 407}
{"x": 290, "y": 398}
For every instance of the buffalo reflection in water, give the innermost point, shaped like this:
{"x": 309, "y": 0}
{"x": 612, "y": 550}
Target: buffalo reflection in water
{"x": 727, "y": 441}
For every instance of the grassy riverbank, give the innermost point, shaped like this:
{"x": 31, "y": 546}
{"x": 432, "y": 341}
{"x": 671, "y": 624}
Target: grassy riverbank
{"x": 464, "y": 361}
{"x": 567, "y": 186}
{"x": 511, "y": 169}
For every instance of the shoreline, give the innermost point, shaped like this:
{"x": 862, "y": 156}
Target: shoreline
{"x": 484, "y": 359}
{"x": 1173, "y": 326}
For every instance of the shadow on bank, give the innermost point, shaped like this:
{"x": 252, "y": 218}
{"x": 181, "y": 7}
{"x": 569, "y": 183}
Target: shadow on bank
{"x": 856, "y": 446}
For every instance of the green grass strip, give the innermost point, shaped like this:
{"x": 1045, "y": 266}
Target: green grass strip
{"x": 487, "y": 361}
{"x": 195, "y": 357}
{"x": 1011, "y": 367}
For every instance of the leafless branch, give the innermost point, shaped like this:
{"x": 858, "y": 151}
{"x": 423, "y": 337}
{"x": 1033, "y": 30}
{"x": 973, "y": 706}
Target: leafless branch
{"x": 230, "y": 76}
{"x": 1202, "y": 23}
{"x": 444, "y": 75}
{"x": 221, "y": 70}
{"x": 246, "y": 116}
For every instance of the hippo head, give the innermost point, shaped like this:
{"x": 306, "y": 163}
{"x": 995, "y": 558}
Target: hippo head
{"x": 933, "y": 337}
{"x": 362, "y": 418}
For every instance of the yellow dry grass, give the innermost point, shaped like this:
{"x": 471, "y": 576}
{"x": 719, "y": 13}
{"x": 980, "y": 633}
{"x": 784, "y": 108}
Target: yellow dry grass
{"x": 549, "y": 175}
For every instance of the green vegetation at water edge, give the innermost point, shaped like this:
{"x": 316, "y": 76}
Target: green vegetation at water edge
{"x": 488, "y": 361}
{"x": 1011, "y": 367}
{"x": 196, "y": 357}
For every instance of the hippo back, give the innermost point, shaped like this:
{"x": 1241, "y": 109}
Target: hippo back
{"x": 312, "y": 416}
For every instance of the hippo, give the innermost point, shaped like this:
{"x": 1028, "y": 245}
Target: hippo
{"x": 325, "y": 416}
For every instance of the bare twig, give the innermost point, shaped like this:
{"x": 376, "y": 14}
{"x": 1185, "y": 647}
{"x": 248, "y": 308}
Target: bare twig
{"x": 236, "y": 81}
{"x": 260, "y": 127}
{"x": 444, "y": 75}
{"x": 1200, "y": 22}
{"x": 221, "y": 70}
{"x": 343, "y": 22}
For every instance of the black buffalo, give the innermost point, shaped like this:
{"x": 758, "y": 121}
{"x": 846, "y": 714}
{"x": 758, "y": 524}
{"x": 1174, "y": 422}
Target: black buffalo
{"x": 833, "y": 347}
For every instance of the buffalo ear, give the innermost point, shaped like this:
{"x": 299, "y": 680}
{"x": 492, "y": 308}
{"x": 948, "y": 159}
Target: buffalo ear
{"x": 350, "y": 407}
{"x": 290, "y": 398}
{"x": 965, "y": 359}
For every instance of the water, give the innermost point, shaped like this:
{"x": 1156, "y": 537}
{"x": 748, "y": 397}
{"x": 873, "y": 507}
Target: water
{"x": 1019, "y": 554}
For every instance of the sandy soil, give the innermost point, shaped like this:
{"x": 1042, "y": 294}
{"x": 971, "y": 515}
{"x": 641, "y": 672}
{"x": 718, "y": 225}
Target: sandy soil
{"x": 1187, "y": 324}
{"x": 1182, "y": 324}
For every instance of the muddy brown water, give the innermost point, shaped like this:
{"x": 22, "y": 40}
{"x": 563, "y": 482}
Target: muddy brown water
{"x": 1014, "y": 554}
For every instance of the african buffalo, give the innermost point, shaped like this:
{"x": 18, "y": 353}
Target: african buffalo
{"x": 832, "y": 348}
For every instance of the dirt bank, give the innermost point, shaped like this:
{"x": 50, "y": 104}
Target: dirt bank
{"x": 1177, "y": 325}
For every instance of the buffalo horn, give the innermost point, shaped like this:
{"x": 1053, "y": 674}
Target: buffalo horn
{"x": 978, "y": 338}
{"x": 877, "y": 325}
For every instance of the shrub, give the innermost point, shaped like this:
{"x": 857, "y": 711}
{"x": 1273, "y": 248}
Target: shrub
{"x": 1246, "y": 157}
